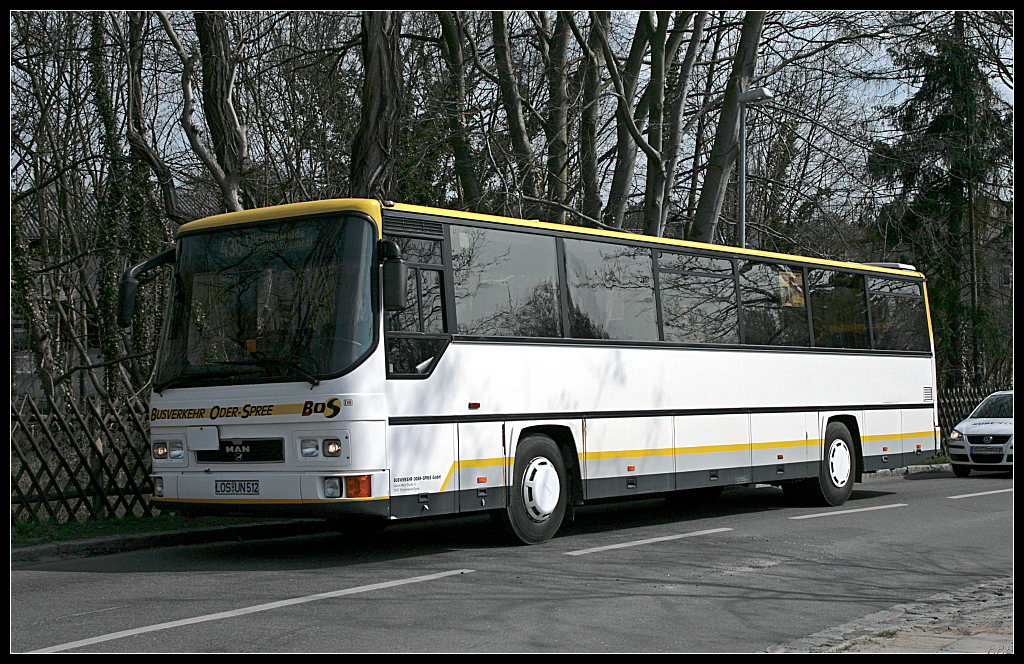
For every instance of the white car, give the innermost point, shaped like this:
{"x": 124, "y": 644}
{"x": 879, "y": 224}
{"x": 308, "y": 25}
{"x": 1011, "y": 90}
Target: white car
{"x": 984, "y": 441}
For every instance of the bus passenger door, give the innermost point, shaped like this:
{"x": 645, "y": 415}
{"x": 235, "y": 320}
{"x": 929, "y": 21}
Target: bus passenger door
{"x": 481, "y": 466}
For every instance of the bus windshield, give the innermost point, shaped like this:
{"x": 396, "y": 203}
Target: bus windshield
{"x": 287, "y": 300}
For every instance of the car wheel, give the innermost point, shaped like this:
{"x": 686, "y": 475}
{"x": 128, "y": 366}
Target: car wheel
{"x": 537, "y": 502}
{"x": 961, "y": 470}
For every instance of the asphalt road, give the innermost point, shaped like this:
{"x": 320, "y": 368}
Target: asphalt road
{"x": 749, "y": 573}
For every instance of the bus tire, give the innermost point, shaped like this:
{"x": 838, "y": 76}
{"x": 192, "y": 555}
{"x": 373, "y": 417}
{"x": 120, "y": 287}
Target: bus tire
{"x": 538, "y": 495}
{"x": 835, "y": 482}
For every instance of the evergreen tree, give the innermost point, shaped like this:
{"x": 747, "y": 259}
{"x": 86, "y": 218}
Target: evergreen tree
{"x": 950, "y": 166}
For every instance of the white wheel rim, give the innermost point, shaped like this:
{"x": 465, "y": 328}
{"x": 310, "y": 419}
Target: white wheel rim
{"x": 541, "y": 489}
{"x": 840, "y": 461}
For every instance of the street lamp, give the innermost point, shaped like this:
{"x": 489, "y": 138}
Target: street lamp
{"x": 752, "y": 96}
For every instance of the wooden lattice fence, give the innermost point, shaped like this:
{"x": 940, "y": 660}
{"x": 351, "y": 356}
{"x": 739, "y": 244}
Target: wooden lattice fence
{"x": 78, "y": 460}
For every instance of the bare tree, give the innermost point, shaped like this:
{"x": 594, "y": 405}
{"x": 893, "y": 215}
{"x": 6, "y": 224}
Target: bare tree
{"x": 376, "y": 144}
{"x": 227, "y": 159}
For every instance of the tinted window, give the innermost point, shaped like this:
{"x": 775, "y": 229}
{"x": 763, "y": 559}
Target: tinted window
{"x": 611, "y": 291}
{"x": 774, "y": 304}
{"x": 898, "y": 317}
{"x": 505, "y": 283}
{"x": 271, "y": 301}
{"x": 839, "y": 309}
{"x": 698, "y": 305}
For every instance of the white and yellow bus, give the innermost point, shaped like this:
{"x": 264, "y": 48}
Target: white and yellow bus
{"x": 353, "y": 359}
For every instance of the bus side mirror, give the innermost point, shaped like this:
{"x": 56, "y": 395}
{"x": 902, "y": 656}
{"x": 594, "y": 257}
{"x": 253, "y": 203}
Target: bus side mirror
{"x": 395, "y": 278}
{"x": 130, "y": 282}
{"x": 126, "y": 294}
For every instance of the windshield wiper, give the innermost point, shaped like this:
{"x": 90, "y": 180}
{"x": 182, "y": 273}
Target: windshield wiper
{"x": 262, "y": 361}
{"x": 197, "y": 375}
{"x": 256, "y": 362}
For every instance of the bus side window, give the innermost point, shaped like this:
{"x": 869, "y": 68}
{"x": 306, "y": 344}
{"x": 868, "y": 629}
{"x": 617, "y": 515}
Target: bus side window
{"x": 839, "y": 310}
{"x": 698, "y": 299}
{"x": 410, "y": 351}
{"x": 506, "y": 283}
{"x": 611, "y": 291}
{"x": 898, "y": 318}
{"x": 774, "y": 304}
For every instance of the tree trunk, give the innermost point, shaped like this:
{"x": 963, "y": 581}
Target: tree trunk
{"x": 590, "y": 117}
{"x": 556, "y": 124}
{"x": 376, "y": 143}
{"x": 513, "y": 103}
{"x": 458, "y": 134}
{"x": 726, "y": 147}
{"x": 625, "y": 146}
{"x": 226, "y": 130}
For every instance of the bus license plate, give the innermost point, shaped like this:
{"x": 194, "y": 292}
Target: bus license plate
{"x": 236, "y": 487}
{"x": 989, "y": 449}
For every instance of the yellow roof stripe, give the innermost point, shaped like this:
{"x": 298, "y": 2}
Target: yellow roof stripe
{"x": 370, "y": 207}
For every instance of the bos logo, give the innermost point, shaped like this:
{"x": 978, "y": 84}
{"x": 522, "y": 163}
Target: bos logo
{"x": 328, "y": 408}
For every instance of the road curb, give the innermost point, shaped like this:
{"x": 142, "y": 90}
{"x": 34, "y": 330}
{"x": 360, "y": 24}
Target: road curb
{"x": 974, "y": 619}
{"x": 110, "y": 544}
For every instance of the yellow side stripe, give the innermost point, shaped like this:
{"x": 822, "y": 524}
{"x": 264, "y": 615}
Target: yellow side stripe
{"x": 282, "y": 501}
{"x": 670, "y": 451}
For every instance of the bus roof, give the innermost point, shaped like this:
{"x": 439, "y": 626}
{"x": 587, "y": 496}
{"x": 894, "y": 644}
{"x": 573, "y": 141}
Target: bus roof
{"x": 373, "y": 209}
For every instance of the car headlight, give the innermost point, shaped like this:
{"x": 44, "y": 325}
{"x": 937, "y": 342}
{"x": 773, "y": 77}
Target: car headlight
{"x": 956, "y": 435}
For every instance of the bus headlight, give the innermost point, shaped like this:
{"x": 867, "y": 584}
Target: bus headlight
{"x": 332, "y": 447}
{"x": 158, "y": 487}
{"x": 160, "y": 450}
{"x": 176, "y": 450}
{"x": 310, "y": 448}
{"x": 332, "y": 487}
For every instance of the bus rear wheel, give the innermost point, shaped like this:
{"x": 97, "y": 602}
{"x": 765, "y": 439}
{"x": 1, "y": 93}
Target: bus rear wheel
{"x": 834, "y": 483}
{"x": 537, "y": 501}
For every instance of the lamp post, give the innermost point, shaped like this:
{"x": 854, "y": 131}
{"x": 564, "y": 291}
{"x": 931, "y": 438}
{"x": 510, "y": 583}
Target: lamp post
{"x": 751, "y": 96}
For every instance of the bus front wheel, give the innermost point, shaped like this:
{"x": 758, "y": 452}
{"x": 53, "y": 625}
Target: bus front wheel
{"x": 537, "y": 500}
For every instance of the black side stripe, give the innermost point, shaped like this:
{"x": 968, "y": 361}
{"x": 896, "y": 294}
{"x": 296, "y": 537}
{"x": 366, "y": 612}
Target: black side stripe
{"x": 607, "y": 414}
